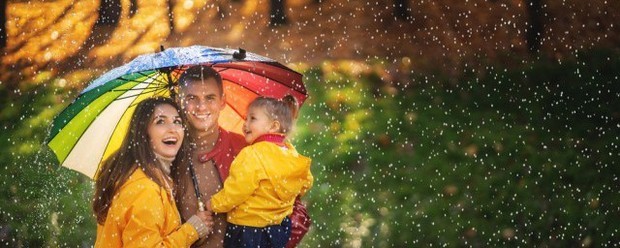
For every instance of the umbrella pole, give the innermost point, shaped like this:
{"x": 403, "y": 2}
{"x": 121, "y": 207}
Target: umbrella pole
{"x": 167, "y": 71}
{"x": 171, "y": 84}
{"x": 201, "y": 205}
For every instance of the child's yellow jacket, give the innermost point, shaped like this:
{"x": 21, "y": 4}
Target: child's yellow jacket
{"x": 143, "y": 214}
{"x": 263, "y": 183}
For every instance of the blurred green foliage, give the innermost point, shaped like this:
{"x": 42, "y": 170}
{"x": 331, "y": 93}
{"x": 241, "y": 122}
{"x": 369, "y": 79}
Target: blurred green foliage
{"x": 495, "y": 157}
{"x": 521, "y": 156}
{"x": 41, "y": 205}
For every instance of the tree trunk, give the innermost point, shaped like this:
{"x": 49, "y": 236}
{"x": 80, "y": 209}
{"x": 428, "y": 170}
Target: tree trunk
{"x": 401, "y": 9}
{"x": 278, "y": 14}
{"x": 3, "y": 35}
{"x": 171, "y": 15}
{"x": 535, "y": 27}
{"x": 109, "y": 12}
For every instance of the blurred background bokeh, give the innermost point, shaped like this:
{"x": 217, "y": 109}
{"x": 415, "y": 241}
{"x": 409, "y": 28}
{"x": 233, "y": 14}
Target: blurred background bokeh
{"x": 479, "y": 123}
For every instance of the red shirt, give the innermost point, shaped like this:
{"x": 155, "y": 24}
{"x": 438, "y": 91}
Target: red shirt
{"x": 226, "y": 148}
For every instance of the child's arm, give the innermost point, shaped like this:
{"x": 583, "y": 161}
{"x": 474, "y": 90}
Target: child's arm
{"x": 209, "y": 206}
{"x": 243, "y": 180}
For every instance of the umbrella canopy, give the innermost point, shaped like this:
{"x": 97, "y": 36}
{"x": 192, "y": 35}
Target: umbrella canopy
{"x": 93, "y": 126}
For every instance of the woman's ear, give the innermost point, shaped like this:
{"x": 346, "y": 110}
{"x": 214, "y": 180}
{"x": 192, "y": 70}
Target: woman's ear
{"x": 275, "y": 127}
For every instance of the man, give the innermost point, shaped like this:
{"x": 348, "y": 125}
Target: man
{"x": 202, "y": 97}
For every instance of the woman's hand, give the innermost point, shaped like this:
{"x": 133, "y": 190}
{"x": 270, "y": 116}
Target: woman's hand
{"x": 202, "y": 221}
{"x": 207, "y": 219}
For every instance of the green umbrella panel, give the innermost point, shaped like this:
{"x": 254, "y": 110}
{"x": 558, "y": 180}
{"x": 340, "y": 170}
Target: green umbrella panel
{"x": 92, "y": 128}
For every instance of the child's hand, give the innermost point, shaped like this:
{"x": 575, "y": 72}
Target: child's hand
{"x": 209, "y": 206}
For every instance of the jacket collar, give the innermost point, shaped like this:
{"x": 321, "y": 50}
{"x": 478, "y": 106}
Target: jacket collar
{"x": 275, "y": 138}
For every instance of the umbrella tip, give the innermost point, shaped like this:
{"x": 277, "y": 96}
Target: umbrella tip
{"x": 239, "y": 54}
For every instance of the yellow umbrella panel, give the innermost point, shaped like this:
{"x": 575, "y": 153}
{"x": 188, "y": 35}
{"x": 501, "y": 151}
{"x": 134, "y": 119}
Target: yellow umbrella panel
{"x": 92, "y": 128}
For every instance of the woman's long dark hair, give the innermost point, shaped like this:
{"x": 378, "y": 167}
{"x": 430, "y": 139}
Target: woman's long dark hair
{"x": 135, "y": 152}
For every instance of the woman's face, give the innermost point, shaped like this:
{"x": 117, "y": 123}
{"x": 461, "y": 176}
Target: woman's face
{"x": 165, "y": 131}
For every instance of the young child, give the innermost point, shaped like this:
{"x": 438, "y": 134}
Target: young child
{"x": 265, "y": 178}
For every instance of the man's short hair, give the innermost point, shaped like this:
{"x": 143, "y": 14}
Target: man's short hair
{"x": 199, "y": 73}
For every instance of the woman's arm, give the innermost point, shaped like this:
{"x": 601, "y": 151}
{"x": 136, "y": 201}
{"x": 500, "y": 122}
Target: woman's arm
{"x": 146, "y": 218}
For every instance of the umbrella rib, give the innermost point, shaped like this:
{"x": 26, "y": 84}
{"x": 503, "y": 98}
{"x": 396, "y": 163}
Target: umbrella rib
{"x": 155, "y": 87}
{"x": 141, "y": 93}
{"x": 145, "y": 88}
{"x": 235, "y": 109}
{"x": 132, "y": 80}
{"x": 141, "y": 82}
{"x": 223, "y": 69}
{"x": 155, "y": 78}
{"x": 215, "y": 54}
{"x": 159, "y": 82}
{"x": 156, "y": 91}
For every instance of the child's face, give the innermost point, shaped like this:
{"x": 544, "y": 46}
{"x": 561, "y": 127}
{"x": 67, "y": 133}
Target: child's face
{"x": 257, "y": 123}
{"x": 165, "y": 131}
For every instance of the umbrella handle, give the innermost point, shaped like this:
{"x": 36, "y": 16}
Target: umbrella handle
{"x": 201, "y": 205}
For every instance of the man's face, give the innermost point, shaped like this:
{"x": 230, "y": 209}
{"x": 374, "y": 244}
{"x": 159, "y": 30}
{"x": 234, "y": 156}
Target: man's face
{"x": 201, "y": 101}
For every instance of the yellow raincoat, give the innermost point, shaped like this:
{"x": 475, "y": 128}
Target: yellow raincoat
{"x": 143, "y": 214}
{"x": 263, "y": 183}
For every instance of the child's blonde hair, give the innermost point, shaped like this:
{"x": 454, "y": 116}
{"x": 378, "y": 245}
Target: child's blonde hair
{"x": 282, "y": 110}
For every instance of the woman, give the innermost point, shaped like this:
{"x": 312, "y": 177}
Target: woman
{"x": 134, "y": 202}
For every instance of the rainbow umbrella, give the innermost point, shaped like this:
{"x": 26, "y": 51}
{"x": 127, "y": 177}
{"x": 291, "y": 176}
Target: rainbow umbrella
{"x": 92, "y": 127}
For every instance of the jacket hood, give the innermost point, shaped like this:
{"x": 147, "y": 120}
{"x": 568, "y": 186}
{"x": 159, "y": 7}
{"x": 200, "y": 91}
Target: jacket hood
{"x": 290, "y": 169}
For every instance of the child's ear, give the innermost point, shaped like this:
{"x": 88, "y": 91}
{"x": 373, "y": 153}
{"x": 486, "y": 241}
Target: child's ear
{"x": 275, "y": 127}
